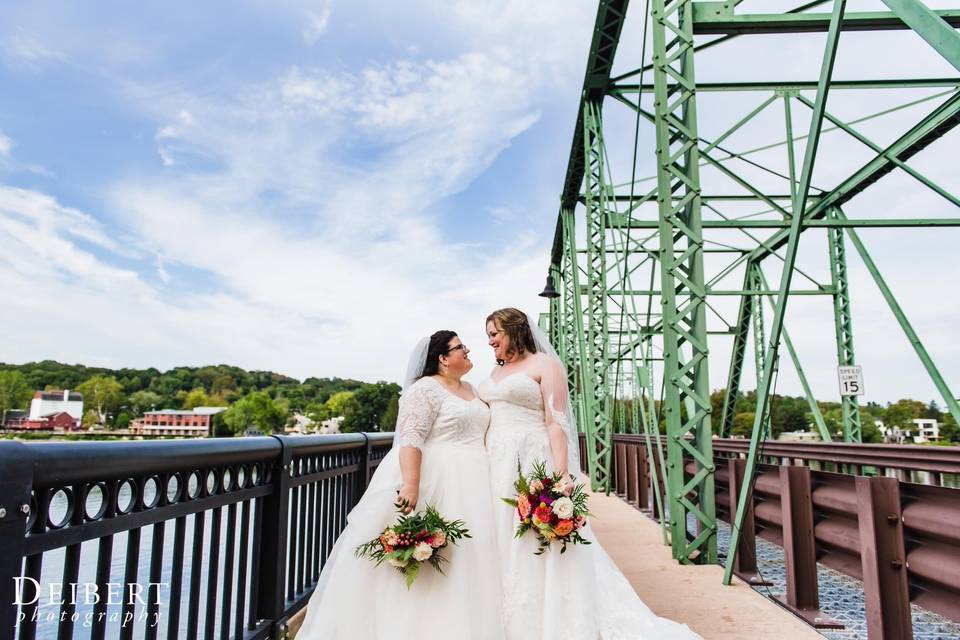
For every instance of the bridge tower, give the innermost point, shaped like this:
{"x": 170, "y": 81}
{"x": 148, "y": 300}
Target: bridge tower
{"x": 651, "y": 271}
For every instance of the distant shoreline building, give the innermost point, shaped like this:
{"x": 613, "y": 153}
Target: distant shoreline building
{"x": 54, "y": 410}
{"x": 196, "y": 423}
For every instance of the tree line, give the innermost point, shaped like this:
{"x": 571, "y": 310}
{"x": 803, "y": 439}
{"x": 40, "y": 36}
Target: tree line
{"x": 262, "y": 400}
{"x": 794, "y": 414}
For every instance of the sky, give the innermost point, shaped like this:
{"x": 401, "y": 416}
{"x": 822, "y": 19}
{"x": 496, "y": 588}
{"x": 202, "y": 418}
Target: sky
{"x": 310, "y": 187}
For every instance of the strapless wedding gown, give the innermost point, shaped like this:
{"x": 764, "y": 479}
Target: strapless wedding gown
{"x": 580, "y": 595}
{"x": 355, "y": 600}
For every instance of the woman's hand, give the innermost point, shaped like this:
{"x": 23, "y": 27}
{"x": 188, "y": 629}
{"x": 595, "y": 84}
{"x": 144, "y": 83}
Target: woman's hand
{"x": 407, "y": 497}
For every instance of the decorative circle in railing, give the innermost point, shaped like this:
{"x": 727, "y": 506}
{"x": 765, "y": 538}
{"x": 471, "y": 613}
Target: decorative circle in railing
{"x": 151, "y": 492}
{"x": 255, "y": 475}
{"x": 227, "y": 480}
{"x": 126, "y": 496}
{"x": 174, "y": 487}
{"x": 95, "y": 502}
{"x": 212, "y": 482}
{"x": 194, "y": 485}
{"x": 61, "y": 508}
{"x": 242, "y": 477}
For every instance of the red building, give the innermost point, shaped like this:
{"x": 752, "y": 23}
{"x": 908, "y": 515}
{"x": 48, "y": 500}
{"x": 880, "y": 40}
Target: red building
{"x": 169, "y": 422}
{"x": 57, "y": 421}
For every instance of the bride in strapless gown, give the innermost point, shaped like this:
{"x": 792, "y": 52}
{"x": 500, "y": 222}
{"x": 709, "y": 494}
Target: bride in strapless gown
{"x": 580, "y": 595}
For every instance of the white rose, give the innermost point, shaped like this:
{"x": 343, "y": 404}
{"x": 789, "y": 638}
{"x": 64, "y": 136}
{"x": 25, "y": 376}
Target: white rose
{"x": 396, "y": 562}
{"x": 563, "y": 508}
{"x": 422, "y": 552}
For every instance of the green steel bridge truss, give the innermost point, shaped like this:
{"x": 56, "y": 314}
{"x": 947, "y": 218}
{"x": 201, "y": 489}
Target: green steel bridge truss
{"x": 636, "y": 271}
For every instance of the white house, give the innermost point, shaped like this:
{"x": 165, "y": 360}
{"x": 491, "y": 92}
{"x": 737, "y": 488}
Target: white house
{"x": 928, "y": 430}
{"x": 330, "y": 426}
{"x": 45, "y": 403}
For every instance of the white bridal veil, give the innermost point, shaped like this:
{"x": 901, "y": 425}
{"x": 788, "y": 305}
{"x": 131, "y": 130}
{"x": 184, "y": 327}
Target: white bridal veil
{"x": 557, "y": 394}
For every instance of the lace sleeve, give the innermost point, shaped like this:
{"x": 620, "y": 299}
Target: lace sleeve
{"x": 418, "y": 411}
{"x": 553, "y": 388}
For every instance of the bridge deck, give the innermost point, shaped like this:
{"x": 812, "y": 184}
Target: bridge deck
{"x": 690, "y": 594}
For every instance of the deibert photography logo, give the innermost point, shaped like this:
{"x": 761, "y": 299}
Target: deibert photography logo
{"x": 29, "y": 592}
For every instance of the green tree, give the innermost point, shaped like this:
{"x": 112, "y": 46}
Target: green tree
{"x": 743, "y": 424}
{"x": 15, "y": 392}
{"x": 123, "y": 420}
{"x": 870, "y": 432}
{"x": 388, "y": 422}
{"x": 199, "y": 398}
{"x": 256, "y": 409}
{"x": 949, "y": 431}
{"x": 140, "y": 401}
{"x": 104, "y": 393}
{"x": 369, "y": 404}
{"x": 222, "y": 385}
{"x": 902, "y": 412}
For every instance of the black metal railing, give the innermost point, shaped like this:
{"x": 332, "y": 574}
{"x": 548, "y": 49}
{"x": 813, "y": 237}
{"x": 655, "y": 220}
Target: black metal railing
{"x": 215, "y": 538}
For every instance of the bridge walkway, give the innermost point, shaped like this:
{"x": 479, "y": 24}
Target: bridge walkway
{"x": 690, "y": 594}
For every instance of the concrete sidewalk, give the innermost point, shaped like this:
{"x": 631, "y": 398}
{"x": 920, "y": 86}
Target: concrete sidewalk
{"x": 690, "y": 594}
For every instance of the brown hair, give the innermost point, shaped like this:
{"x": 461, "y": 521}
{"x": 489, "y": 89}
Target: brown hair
{"x": 514, "y": 323}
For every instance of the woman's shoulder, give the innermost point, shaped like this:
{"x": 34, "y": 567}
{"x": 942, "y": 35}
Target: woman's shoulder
{"x": 427, "y": 389}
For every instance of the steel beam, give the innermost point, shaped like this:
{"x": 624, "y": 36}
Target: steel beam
{"x": 686, "y": 400}
{"x": 711, "y": 19}
{"x": 843, "y": 323}
{"x": 776, "y": 328}
{"x": 933, "y": 26}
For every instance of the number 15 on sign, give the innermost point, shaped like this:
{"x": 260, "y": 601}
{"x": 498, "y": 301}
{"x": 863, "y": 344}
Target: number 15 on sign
{"x": 851, "y": 380}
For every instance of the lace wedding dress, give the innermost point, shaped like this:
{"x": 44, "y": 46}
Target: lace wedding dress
{"x": 580, "y": 595}
{"x": 355, "y": 600}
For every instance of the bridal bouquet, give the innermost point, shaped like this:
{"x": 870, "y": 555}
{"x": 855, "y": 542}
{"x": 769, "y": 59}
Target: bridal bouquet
{"x": 544, "y": 508}
{"x": 415, "y": 539}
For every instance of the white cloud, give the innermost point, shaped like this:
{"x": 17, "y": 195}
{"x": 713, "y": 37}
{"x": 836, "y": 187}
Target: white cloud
{"x": 316, "y": 25}
{"x": 27, "y": 50}
{"x": 6, "y": 144}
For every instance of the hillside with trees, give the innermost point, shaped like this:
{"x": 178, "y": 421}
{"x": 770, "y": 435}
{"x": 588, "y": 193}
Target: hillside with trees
{"x": 259, "y": 399}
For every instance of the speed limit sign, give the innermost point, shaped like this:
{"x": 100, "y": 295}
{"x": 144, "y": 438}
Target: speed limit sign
{"x": 851, "y": 380}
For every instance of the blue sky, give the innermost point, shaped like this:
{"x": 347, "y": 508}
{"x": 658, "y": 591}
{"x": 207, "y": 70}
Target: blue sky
{"x": 303, "y": 187}
{"x": 309, "y": 187}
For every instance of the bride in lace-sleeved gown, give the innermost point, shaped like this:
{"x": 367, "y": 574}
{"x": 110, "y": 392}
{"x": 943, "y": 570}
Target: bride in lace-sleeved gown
{"x": 438, "y": 459}
{"x": 581, "y": 595}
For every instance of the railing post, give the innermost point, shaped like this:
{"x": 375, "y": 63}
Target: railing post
{"x": 363, "y": 476}
{"x": 16, "y": 482}
{"x": 883, "y": 558}
{"x": 633, "y": 480}
{"x": 271, "y": 594}
{"x": 643, "y": 478}
{"x": 800, "y": 548}
{"x": 745, "y": 564}
{"x": 620, "y": 477}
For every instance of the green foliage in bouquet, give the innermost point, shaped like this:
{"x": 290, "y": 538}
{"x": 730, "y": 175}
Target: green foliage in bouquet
{"x": 542, "y": 507}
{"x": 416, "y": 538}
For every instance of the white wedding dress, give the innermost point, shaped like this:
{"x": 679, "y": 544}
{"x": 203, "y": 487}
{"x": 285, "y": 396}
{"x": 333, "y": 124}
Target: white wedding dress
{"x": 355, "y": 600}
{"x": 580, "y": 595}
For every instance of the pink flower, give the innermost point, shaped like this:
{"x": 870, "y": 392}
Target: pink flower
{"x": 438, "y": 539}
{"x": 523, "y": 506}
{"x": 536, "y": 487}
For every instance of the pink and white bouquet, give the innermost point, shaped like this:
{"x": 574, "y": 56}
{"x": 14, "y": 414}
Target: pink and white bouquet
{"x": 416, "y": 538}
{"x": 544, "y": 507}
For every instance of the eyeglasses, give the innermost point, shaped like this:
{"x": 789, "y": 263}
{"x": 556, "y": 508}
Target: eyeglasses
{"x": 461, "y": 346}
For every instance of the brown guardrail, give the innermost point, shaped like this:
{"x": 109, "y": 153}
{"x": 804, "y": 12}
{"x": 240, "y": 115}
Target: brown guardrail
{"x": 902, "y": 539}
